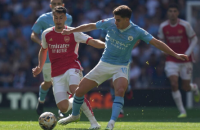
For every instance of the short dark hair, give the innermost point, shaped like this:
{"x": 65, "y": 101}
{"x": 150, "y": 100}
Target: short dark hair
{"x": 61, "y": 1}
{"x": 173, "y": 5}
{"x": 123, "y": 11}
{"x": 60, "y": 9}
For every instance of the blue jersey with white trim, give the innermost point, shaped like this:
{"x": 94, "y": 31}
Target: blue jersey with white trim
{"x": 46, "y": 21}
{"x": 119, "y": 43}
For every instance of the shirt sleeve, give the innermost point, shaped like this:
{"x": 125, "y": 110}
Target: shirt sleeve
{"x": 103, "y": 24}
{"x": 81, "y": 37}
{"x": 160, "y": 33}
{"x": 145, "y": 36}
{"x": 37, "y": 27}
{"x": 189, "y": 30}
{"x": 44, "y": 43}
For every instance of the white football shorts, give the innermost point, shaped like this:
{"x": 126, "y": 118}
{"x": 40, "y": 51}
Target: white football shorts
{"x": 184, "y": 70}
{"x": 62, "y": 82}
{"x": 46, "y": 71}
{"x": 103, "y": 71}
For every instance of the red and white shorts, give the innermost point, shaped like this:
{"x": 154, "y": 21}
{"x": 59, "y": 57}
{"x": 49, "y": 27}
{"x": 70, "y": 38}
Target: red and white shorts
{"x": 62, "y": 82}
{"x": 184, "y": 70}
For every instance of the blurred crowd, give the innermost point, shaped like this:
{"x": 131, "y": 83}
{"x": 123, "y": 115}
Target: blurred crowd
{"x": 18, "y": 54}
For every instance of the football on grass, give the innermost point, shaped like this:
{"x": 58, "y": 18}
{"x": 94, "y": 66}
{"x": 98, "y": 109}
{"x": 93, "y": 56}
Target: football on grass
{"x": 47, "y": 121}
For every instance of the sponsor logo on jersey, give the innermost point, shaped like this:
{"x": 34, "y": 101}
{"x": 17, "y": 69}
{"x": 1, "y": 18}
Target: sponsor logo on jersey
{"x": 130, "y": 38}
{"x": 66, "y": 38}
{"x": 50, "y": 39}
{"x": 167, "y": 32}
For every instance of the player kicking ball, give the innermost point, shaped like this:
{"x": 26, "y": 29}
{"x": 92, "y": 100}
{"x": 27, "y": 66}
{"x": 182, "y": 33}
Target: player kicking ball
{"x": 43, "y": 22}
{"x": 66, "y": 69}
{"x": 121, "y": 36}
{"x": 179, "y": 35}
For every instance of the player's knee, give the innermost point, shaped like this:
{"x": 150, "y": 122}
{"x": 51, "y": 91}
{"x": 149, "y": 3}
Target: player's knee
{"x": 174, "y": 84}
{"x": 47, "y": 83}
{"x": 186, "y": 87}
{"x": 120, "y": 92}
{"x": 63, "y": 107}
{"x": 78, "y": 92}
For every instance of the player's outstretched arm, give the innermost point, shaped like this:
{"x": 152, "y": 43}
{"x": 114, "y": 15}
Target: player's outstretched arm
{"x": 41, "y": 60}
{"x": 35, "y": 38}
{"x": 81, "y": 28}
{"x": 162, "y": 46}
{"x": 96, "y": 43}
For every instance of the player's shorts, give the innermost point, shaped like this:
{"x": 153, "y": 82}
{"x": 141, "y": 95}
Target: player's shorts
{"x": 184, "y": 70}
{"x": 62, "y": 82}
{"x": 46, "y": 71}
{"x": 103, "y": 71}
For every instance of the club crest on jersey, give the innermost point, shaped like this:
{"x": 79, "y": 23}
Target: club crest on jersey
{"x": 180, "y": 31}
{"x": 130, "y": 38}
{"x": 66, "y": 38}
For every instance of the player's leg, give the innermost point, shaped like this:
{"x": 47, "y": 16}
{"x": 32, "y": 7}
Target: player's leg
{"x": 120, "y": 82}
{"x": 172, "y": 72}
{"x": 84, "y": 86}
{"x": 186, "y": 75}
{"x": 60, "y": 90}
{"x": 74, "y": 79}
{"x": 95, "y": 77}
{"x": 44, "y": 87}
{"x": 112, "y": 92}
{"x": 120, "y": 86}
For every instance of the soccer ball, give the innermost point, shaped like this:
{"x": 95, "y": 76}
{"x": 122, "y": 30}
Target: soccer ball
{"x": 47, "y": 121}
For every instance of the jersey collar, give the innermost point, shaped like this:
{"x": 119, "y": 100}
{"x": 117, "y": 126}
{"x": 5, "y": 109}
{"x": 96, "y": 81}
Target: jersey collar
{"x": 174, "y": 24}
{"x": 56, "y": 31}
{"x": 123, "y": 30}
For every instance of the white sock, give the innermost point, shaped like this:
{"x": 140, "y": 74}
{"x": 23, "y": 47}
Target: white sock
{"x": 70, "y": 101}
{"x": 178, "y": 101}
{"x": 111, "y": 122}
{"x": 86, "y": 110}
{"x": 194, "y": 88}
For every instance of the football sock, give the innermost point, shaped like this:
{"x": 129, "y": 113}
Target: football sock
{"x": 194, "y": 88}
{"x": 42, "y": 94}
{"x": 112, "y": 92}
{"x": 87, "y": 110}
{"x": 117, "y": 106}
{"x": 78, "y": 101}
{"x": 178, "y": 101}
{"x": 70, "y": 101}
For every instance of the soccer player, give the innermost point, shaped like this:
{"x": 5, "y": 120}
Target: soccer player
{"x": 66, "y": 69}
{"x": 179, "y": 35}
{"x": 121, "y": 36}
{"x": 43, "y": 22}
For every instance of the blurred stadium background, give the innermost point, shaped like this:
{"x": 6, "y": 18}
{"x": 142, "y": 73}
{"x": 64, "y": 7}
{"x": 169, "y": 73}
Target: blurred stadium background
{"x": 150, "y": 87}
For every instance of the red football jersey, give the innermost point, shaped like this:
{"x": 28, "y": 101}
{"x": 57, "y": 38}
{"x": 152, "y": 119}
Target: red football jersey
{"x": 177, "y": 37}
{"x": 63, "y": 49}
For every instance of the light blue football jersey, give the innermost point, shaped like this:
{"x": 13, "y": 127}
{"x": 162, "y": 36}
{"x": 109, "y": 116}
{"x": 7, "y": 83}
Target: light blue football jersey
{"x": 119, "y": 43}
{"x": 46, "y": 21}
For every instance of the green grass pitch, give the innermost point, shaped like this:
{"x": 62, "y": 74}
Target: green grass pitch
{"x": 135, "y": 119}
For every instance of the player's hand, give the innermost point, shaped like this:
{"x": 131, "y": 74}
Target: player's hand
{"x": 182, "y": 57}
{"x": 66, "y": 32}
{"x": 36, "y": 71}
